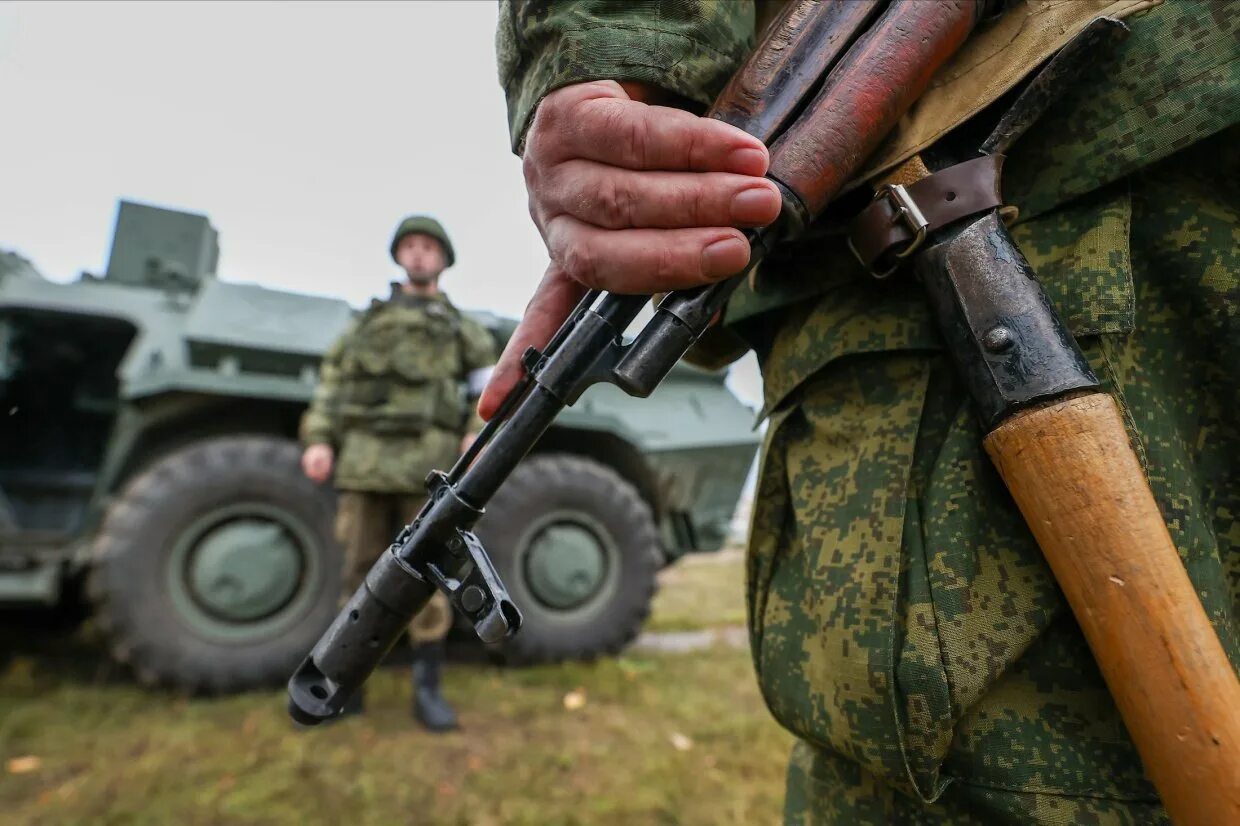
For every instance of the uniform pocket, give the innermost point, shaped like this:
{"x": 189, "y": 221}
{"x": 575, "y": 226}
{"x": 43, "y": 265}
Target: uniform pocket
{"x": 451, "y": 409}
{"x": 975, "y": 592}
{"x": 427, "y": 351}
{"x": 825, "y": 556}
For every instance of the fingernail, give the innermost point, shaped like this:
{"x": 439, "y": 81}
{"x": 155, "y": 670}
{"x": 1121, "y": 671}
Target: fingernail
{"x": 756, "y": 206}
{"x": 747, "y": 162}
{"x": 727, "y": 256}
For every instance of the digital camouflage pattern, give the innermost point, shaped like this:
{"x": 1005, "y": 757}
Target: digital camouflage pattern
{"x": 903, "y": 623}
{"x": 689, "y": 47}
{"x": 1172, "y": 83}
{"x": 391, "y": 394}
{"x": 926, "y": 639}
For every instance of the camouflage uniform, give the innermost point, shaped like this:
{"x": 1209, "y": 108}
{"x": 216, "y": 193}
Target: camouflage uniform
{"x": 904, "y": 625}
{"x": 391, "y": 401}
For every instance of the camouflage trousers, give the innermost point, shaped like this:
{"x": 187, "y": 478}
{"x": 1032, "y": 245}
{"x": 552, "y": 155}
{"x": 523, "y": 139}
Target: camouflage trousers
{"x": 366, "y": 523}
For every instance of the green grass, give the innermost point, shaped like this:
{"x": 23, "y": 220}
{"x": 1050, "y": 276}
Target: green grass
{"x": 109, "y": 753}
{"x": 699, "y": 592}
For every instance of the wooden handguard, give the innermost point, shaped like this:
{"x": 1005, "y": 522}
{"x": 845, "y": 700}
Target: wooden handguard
{"x": 1076, "y": 479}
{"x": 863, "y": 98}
{"x": 788, "y": 63}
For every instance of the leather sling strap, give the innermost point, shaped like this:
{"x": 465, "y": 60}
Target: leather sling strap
{"x": 900, "y": 218}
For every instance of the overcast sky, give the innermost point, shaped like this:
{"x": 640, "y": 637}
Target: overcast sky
{"x": 304, "y": 130}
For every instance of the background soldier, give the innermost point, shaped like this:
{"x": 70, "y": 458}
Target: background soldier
{"x": 392, "y": 403}
{"x": 904, "y": 624}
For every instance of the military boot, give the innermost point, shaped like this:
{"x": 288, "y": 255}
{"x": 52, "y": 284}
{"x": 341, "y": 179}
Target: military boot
{"x": 429, "y": 706}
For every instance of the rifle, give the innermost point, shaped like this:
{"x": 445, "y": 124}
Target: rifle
{"x": 438, "y": 549}
{"x": 858, "y": 82}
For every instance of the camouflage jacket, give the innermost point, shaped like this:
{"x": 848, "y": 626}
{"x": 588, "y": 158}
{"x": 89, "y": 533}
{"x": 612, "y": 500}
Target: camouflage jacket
{"x": 903, "y": 623}
{"x": 392, "y": 397}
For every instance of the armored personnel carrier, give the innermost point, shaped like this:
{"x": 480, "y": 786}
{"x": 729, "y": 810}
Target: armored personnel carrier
{"x": 148, "y": 451}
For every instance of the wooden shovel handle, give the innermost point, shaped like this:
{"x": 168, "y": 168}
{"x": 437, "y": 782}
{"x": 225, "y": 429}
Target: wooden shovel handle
{"x": 1079, "y": 484}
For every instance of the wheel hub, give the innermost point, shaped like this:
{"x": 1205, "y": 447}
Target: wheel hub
{"x": 566, "y": 565}
{"x": 244, "y": 569}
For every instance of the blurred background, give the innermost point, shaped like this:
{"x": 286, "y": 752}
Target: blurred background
{"x": 294, "y": 136}
{"x": 305, "y": 130}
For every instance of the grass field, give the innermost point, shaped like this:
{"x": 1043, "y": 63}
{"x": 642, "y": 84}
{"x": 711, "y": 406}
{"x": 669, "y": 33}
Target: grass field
{"x": 699, "y": 593}
{"x": 649, "y": 738}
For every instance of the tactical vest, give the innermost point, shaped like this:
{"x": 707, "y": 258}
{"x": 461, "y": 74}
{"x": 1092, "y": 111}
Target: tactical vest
{"x": 402, "y": 370}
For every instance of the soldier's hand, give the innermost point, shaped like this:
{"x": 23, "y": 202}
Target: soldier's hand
{"x": 317, "y": 462}
{"x": 631, "y": 198}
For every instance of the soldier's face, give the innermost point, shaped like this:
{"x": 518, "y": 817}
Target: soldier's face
{"x": 421, "y": 256}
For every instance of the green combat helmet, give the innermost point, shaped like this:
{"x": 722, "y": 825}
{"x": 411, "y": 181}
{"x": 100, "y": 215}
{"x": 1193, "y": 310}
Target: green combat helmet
{"x": 425, "y": 225}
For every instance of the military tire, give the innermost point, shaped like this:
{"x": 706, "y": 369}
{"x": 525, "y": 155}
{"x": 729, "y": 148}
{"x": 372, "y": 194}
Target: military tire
{"x": 576, "y": 546}
{"x": 216, "y": 569}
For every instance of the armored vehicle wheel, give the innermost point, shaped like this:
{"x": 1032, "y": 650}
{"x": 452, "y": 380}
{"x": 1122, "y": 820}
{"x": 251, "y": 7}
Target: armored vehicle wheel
{"x": 576, "y": 546}
{"x": 216, "y": 569}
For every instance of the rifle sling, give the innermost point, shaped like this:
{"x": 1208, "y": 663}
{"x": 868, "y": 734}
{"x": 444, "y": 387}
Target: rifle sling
{"x": 900, "y": 218}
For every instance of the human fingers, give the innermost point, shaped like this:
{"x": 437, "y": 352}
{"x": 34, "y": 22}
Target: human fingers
{"x": 635, "y": 261}
{"x": 597, "y": 121}
{"x": 614, "y": 198}
{"x": 552, "y": 303}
